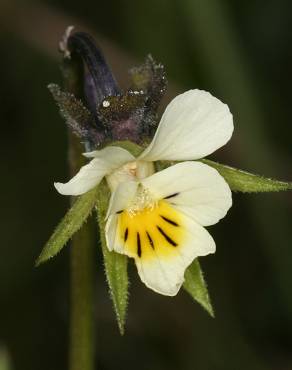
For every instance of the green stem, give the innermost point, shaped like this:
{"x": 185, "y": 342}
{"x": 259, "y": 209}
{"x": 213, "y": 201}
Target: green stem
{"x": 82, "y": 343}
{"x": 81, "y": 318}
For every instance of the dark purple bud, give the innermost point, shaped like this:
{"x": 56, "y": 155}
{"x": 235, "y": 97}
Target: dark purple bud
{"x": 99, "y": 112}
{"x": 122, "y": 115}
{"x": 99, "y": 81}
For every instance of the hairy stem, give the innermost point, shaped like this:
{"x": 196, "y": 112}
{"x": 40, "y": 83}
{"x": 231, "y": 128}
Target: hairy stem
{"x": 82, "y": 347}
{"x": 81, "y": 318}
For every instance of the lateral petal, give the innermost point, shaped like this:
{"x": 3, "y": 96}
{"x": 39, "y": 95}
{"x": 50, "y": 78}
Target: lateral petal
{"x": 121, "y": 197}
{"x": 104, "y": 162}
{"x": 194, "y": 188}
{"x": 194, "y": 125}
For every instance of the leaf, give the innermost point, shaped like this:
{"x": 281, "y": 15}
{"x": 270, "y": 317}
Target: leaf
{"x": 247, "y": 182}
{"x": 71, "y": 223}
{"x": 115, "y": 264}
{"x": 196, "y": 286}
{"x": 117, "y": 278}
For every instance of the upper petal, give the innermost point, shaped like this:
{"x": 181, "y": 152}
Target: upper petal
{"x": 194, "y": 188}
{"x": 194, "y": 125}
{"x": 104, "y": 162}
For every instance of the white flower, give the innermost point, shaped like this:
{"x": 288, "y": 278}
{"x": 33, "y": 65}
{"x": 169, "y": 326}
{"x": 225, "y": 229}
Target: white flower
{"x": 158, "y": 218}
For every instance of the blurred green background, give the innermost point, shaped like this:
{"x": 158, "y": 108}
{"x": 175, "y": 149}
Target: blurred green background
{"x": 241, "y": 52}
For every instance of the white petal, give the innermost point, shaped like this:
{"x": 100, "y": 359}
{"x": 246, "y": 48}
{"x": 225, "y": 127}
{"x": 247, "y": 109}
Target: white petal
{"x": 120, "y": 200}
{"x": 194, "y": 188}
{"x": 121, "y": 197}
{"x": 194, "y": 125}
{"x": 163, "y": 242}
{"x": 166, "y": 275}
{"x": 104, "y": 162}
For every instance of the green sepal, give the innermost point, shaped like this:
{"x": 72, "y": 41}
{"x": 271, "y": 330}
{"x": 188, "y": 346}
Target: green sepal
{"x": 71, "y": 223}
{"x": 133, "y": 148}
{"x": 76, "y": 115}
{"x": 196, "y": 286}
{"x": 115, "y": 264}
{"x": 239, "y": 180}
{"x": 247, "y": 182}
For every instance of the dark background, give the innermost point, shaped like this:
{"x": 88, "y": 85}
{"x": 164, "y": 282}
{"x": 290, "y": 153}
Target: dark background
{"x": 238, "y": 50}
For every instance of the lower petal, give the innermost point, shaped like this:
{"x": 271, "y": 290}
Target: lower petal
{"x": 163, "y": 242}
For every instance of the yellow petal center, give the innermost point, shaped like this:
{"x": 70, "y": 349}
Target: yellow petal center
{"x": 149, "y": 229}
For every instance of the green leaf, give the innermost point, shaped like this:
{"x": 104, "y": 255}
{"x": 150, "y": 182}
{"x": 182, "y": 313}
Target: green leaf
{"x": 196, "y": 286}
{"x": 117, "y": 278}
{"x": 247, "y": 182}
{"x": 115, "y": 264}
{"x": 71, "y": 223}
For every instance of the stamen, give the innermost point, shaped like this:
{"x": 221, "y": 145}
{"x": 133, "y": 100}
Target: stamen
{"x": 142, "y": 202}
{"x": 170, "y": 241}
{"x": 169, "y": 221}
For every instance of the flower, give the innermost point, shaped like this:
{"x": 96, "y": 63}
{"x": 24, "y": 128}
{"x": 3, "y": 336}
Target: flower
{"x": 159, "y": 218}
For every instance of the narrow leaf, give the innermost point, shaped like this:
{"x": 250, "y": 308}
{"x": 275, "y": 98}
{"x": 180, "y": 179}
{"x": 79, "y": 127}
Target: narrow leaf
{"x": 247, "y": 182}
{"x": 71, "y": 223}
{"x": 196, "y": 286}
{"x": 115, "y": 264}
{"x": 117, "y": 278}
